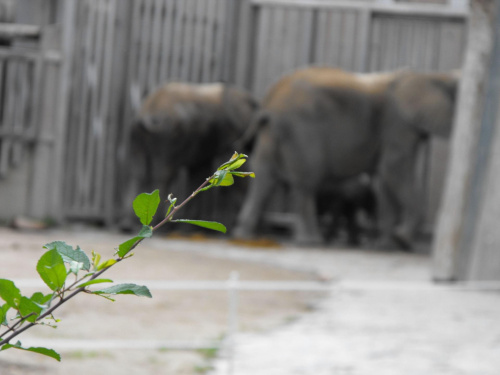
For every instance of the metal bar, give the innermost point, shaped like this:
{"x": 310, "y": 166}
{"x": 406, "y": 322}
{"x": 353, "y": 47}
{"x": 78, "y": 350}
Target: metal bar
{"x": 434, "y": 10}
{"x": 93, "y": 344}
{"x": 301, "y": 286}
{"x": 16, "y": 30}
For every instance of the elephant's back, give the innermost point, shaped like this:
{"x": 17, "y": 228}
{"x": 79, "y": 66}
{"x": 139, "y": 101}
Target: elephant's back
{"x": 296, "y": 87}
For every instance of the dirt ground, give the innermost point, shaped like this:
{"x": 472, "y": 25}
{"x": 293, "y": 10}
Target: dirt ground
{"x": 169, "y": 315}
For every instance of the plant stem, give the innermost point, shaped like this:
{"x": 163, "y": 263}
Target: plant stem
{"x": 64, "y": 299}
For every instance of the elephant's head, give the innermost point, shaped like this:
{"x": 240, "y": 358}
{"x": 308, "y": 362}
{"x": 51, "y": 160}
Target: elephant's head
{"x": 240, "y": 108}
{"x": 425, "y": 101}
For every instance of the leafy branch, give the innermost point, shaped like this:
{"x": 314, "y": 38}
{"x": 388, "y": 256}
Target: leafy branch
{"x": 61, "y": 260}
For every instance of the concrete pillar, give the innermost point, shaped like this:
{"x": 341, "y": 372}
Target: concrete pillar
{"x": 469, "y": 215}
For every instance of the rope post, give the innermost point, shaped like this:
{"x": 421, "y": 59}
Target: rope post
{"x": 232, "y": 328}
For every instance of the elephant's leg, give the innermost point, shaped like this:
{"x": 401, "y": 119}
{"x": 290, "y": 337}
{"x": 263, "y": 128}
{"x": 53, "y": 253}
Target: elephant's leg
{"x": 352, "y": 227}
{"x": 307, "y": 230}
{"x": 398, "y": 180}
{"x": 387, "y": 212}
{"x": 254, "y": 205}
{"x": 412, "y": 212}
{"x": 263, "y": 163}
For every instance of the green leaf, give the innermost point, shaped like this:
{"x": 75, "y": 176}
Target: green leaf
{"x": 48, "y": 352}
{"x": 145, "y": 206}
{"x": 125, "y": 247}
{"x": 205, "y": 224}
{"x": 222, "y": 178}
{"x": 51, "y": 269}
{"x": 243, "y": 174}
{"x": 236, "y": 164}
{"x": 3, "y": 314}
{"x": 69, "y": 254}
{"x": 9, "y": 293}
{"x": 96, "y": 259}
{"x": 137, "y": 290}
{"x": 95, "y": 281}
{"x": 43, "y": 301}
{"x": 106, "y": 264}
{"x": 27, "y": 306}
{"x": 233, "y": 161}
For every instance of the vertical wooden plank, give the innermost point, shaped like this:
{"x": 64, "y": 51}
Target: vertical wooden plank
{"x": 218, "y": 73}
{"x": 375, "y": 44}
{"x": 187, "y": 43}
{"x": 8, "y": 118}
{"x": 245, "y": 45}
{"x": 95, "y": 128}
{"x": 85, "y": 103}
{"x": 45, "y": 99}
{"x": 167, "y": 40}
{"x": 273, "y": 66}
{"x": 104, "y": 166}
{"x": 77, "y": 73}
{"x": 135, "y": 95}
{"x": 321, "y": 38}
{"x": 348, "y": 41}
{"x": 145, "y": 54}
{"x": 362, "y": 40}
{"x": 119, "y": 121}
{"x": 60, "y": 128}
{"x": 99, "y": 119}
{"x": 451, "y": 42}
{"x": 3, "y": 132}
{"x": 262, "y": 50}
{"x": 199, "y": 40}
{"x": 175, "y": 68}
{"x": 22, "y": 108}
{"x": 417, "y": 45}
{"x": 305, "y": 56}
{"x": 153, "y": 75}
{"x": 209, "y": 41}
{"x": 335, "y": 38}
{"x": 292, "y": 34}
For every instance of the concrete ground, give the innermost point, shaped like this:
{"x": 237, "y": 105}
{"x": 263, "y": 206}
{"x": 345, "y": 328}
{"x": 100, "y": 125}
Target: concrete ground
{"x": 381, "y": 316}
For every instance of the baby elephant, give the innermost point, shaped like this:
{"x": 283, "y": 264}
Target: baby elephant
{"x": 349, "y": 206}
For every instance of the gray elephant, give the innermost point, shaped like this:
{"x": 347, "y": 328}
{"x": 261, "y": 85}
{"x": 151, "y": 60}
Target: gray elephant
{"x": 183, "y": 126}
{"x": 418, "y": 106}
{"x": 317, "y": 127}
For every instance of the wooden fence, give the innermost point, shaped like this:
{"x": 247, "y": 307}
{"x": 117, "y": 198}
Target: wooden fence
{"x": 116, "y": 51}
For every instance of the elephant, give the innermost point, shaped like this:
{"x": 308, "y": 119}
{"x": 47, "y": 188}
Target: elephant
{"x": 317, "y": 127}
{"x": 183, "y": 126}
{"x": 418, "y": 106}
{"x": 351, "y": 205}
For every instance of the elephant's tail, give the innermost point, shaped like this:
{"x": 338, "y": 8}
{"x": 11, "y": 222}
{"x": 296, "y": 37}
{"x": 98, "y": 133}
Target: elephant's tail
{"x": 247, "y": 140}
